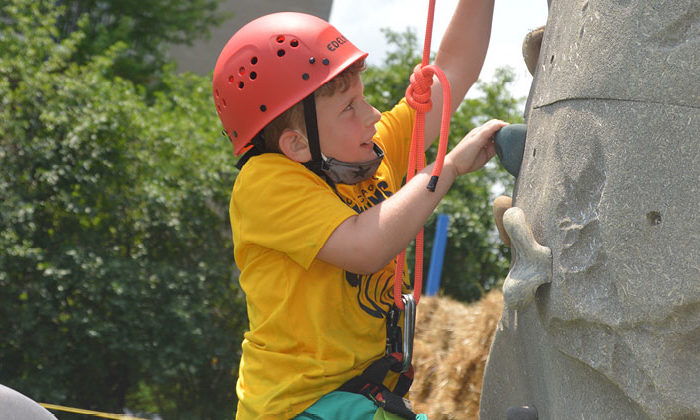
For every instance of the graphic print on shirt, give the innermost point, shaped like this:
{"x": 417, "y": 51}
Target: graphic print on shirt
{"x": 369, "y": 196}
{"x": 375, "y": 291}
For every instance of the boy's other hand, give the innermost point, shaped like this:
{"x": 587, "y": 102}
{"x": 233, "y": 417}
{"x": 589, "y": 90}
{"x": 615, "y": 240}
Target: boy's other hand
{"x": 475, "y": 149}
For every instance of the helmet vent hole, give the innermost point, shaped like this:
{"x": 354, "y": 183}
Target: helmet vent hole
{"x": 326, "y": 62}
{"x": 235, "y": 134}
{"x": 294, "y": 43}
{"x": 254, "y": 60}
{"x": 263, "y": 108}
{"x": 241, "y": 71}
{"x": 253, "y": 75}
{"x": 305, "y": 76}
{"x": 240, "y": 85}
{"x": 216, "y": 92}
{"x": 280, "y": 39}
{"x": 230, "y": 80}
{"x": 280, "y": 53}
{"x": 223, "y": 101}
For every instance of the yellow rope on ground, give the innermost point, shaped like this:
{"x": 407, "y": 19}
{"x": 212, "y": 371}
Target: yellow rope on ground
{"x": 89, "y": 412}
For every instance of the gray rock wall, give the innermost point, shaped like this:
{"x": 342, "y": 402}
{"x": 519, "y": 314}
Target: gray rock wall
{"x": 610, "y": 182}
{"x": 15, "y": 406}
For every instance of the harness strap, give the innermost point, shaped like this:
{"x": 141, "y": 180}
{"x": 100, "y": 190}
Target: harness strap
{"x": 370, "y": 384}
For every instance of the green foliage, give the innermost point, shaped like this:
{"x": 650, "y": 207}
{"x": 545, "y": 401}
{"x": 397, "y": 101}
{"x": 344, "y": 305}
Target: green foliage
{"x": 117, "y": 286}
{"x": 386, "y": 84}
{"x": 475, "y": 259}
{"x": 146, "y": 28}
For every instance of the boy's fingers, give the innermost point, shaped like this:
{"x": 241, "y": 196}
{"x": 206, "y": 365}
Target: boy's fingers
{"x": 488, "y": 129}
{"x": 494, "y": 125}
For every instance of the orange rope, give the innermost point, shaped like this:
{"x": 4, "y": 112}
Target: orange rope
{"x": 418, "y": 97}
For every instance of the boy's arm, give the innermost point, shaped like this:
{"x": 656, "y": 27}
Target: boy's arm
{"x": 460, "y": 56}
{"x": 365, "y": 243}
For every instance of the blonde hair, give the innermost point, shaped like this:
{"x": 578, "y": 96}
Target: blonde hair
{"x": 293, "y": 118}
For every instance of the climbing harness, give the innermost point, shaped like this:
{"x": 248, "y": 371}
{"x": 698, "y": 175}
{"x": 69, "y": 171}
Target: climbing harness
{"x": 370, "y": 384}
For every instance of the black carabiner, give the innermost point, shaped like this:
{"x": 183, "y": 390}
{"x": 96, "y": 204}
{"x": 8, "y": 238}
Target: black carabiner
{"x": 393, "y": 331}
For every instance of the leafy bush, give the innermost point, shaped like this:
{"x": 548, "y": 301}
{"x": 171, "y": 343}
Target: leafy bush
{"x": 117, "y": 282}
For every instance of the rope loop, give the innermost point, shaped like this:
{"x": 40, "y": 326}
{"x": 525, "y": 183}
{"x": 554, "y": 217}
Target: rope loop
{"x": 418, "y": 91}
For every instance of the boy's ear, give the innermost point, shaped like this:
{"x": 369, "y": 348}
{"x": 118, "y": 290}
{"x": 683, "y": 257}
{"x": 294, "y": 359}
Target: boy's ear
{"x": 294, "y": 146}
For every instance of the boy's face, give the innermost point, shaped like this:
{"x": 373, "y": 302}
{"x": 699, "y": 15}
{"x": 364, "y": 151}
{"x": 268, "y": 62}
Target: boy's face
{"x": 346, "y": 124}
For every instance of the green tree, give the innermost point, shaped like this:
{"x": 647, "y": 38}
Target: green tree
{"x": 117, "y": 287}
{"x": 475, "y": 260}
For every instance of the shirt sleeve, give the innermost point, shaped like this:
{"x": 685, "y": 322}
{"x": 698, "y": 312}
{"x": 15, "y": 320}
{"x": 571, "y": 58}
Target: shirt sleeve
{"x": 280, "y": 205}
{"x": 394, "y": 132}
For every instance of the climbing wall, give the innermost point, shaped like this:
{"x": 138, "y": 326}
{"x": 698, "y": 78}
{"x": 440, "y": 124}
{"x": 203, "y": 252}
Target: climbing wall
{"x": 610, "y": 184}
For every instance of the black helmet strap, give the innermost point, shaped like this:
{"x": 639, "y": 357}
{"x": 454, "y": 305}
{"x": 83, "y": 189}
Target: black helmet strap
{"x": 316, "y": 163}
{"x": 258, "y": 148}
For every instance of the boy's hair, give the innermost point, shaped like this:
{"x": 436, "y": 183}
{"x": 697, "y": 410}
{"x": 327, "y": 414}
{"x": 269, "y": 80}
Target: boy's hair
{"x": 293, "y": 118}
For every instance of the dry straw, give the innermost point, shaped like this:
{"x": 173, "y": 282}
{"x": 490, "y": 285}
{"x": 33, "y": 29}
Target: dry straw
{"x": 451, "y": 346}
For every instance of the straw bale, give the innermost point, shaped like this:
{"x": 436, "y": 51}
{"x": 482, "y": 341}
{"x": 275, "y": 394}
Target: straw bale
{"x": 451, "y": 345}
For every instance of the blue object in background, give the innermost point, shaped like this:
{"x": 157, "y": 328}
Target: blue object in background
{"x": 438, "y": 255}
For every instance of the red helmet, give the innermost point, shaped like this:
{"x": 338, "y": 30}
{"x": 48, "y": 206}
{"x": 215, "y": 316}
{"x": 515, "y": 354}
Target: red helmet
{"x": 271, "y": 64}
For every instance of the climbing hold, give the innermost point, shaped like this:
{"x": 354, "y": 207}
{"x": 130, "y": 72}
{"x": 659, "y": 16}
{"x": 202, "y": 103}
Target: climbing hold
{"x": 500, "y": 205}
{"x": 526, "y": 412}
{"x": 532, "y": 262}
{"x": 510, "y": 146}
{"x": 531, "y": 48}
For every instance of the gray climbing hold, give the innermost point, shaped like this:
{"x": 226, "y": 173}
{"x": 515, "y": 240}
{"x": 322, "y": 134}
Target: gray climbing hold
{"x": 526, "y": 412}
{"x": 532, "y": 262}
{"x": 509, "y": 142}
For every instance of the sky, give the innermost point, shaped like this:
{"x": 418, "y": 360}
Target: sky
{"x": 361, "y": 20}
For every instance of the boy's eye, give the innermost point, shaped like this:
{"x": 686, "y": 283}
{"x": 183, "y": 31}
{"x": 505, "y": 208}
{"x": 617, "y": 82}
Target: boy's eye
{"x": 348, "y": 107}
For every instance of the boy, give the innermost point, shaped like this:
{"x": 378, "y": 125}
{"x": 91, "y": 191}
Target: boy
{"x": 316, "y": 210}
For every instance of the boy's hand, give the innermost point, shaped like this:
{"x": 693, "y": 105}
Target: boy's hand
{"x": 475, "y": 149}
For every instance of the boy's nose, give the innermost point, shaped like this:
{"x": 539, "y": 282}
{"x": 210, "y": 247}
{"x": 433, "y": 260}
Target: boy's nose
{"x": 374, "y": 115}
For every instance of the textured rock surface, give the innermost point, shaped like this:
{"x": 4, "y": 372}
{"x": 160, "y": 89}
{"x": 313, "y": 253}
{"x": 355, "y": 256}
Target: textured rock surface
{"x": 610, "y": 181}
{"x": 15, "y": 406}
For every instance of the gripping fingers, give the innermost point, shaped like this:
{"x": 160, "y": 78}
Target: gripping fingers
{"x": 492, "y": 126}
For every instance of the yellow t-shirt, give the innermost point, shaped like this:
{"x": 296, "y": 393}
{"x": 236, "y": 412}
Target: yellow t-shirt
{"x": 312, "y": 325}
